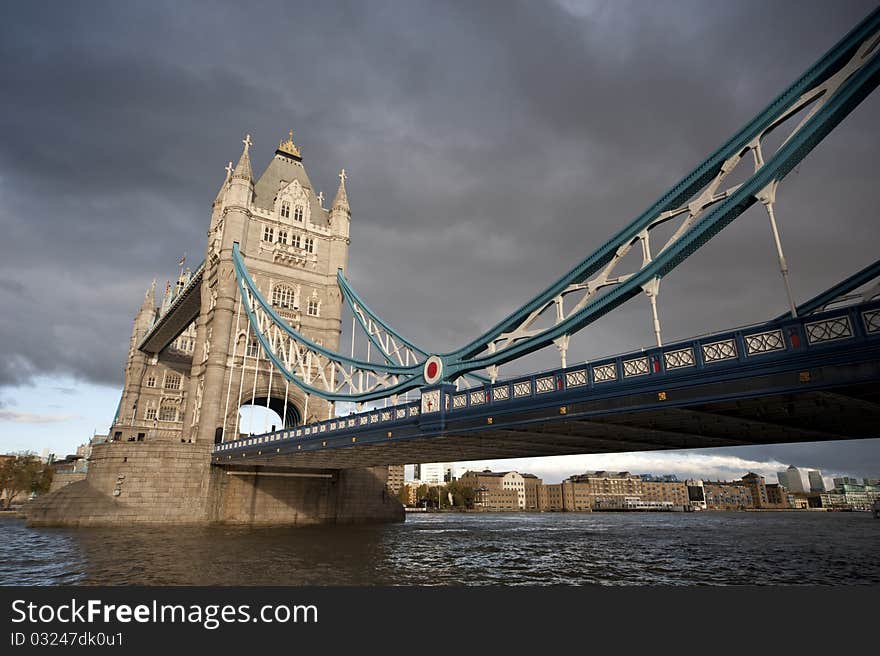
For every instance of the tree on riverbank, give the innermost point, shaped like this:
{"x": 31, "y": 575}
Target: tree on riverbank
{"x": 462, "y": 495}
{"x": 23, "y": 473}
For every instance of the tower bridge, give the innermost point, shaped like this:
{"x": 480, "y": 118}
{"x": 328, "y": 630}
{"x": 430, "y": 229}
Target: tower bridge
{"x": 259, "y": 323}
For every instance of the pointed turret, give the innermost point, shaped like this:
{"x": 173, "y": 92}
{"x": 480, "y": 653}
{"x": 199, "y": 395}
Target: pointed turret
{"x": 340, "y": 221}
{"x": 243, "y": 168}
{"x": 340, "y": 201}
{"x": 167, "y": 298}
{"x": 145, "y": 317}
{"x": 222, "y": 191}
{"x": 149, "y": 304}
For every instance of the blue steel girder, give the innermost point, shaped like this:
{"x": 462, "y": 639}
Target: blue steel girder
{"x": 841, "y": 292}
{"x": 831, "y": 89}
{"x": 314, "y": 362}
{"x": 836, "y": 84}
{"x": 391, "y": 344}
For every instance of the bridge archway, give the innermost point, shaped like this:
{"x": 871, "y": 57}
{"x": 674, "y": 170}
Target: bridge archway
{"x": 256, "y": 416}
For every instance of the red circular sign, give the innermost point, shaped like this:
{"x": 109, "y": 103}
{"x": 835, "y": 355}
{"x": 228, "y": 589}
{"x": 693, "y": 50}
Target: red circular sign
{"x": 432, "y": 370}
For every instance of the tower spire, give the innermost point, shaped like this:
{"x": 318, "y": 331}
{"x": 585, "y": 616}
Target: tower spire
{"x": 243, "y": 168}
{"x": 150, "y": 298}
{"x": 341, "y": 198}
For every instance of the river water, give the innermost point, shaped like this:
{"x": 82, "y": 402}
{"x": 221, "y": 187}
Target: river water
{"x": 462, "y": 549}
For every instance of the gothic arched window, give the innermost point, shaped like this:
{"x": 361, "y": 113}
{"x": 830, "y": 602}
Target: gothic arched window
{"x": 283, "y": 296}
{"x": 298, "y": 213}
{"x": 285, "y": 210}
{"x": 168, "y": 412}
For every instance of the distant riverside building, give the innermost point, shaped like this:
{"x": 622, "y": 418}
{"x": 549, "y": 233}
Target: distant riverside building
{"x": 434, "y": 473}
{"x": 603, "y": 490}
{"x": 758, "y": 488}
{"x": 530, "y": 485}
{"x": 857, "y": 497}
{"x": 798, "y": 502}
{"x": 600, "y": 489}
{"x": 673, "y": 493}
{"x": 817, "y": 484}
{"x": 503, "y": 490}
{"x": 792, "y": 479}
{"x": 550, "y": 497}
{"x": 696, "y": 494}
{"x": 395, "y": 478}
{"x": 721, "y": 495}
{"x": 777, "y": 496}
{"x": 845, "y": 480}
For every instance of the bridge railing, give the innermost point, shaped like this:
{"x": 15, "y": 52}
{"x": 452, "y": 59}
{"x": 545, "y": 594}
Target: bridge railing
{"x": 729, "y": 353}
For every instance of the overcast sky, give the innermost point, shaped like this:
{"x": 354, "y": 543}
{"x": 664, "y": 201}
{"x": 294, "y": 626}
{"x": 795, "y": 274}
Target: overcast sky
{"x": 490, "y": 146}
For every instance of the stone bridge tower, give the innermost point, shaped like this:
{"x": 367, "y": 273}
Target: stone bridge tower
{"x": 193, "y": 362}
{"x": 292, "y": 246}
{"x": 192, "y": 389}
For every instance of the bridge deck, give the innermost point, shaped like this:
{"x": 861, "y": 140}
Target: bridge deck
{"x": 796, "y": 380}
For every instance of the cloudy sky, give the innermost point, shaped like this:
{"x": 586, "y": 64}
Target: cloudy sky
{"x": 490, "y": 146}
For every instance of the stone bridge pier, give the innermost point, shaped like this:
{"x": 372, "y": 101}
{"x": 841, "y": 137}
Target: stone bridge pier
{"x": 168, "y": 483}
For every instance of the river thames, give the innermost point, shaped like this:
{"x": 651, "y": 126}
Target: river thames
{"x": 751, "y": 548}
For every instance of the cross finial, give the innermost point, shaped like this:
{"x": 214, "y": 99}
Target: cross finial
{"x": 342, "y": 176}
{"x": 321, "y": 199}
{"x": 290, "y": 134}
{"x": 247, "y": 142}
{"x": 229, "y": 170}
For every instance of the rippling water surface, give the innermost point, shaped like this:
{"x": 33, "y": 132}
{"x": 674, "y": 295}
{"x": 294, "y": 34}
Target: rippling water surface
{"x": 461, "y": 549}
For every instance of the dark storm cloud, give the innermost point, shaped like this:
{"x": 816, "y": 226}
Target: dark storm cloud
{"x": 490, "y": 147}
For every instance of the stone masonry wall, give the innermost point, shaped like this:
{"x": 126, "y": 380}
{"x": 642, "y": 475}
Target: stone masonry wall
{"x": 60, "y": 479}
{"x": 170, "y": 483}
{"x": 132, "y": 482}
{"x": 350, "y": 496}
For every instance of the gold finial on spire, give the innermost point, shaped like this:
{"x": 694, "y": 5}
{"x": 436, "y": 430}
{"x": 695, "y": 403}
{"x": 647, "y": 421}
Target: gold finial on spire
{"x": 288, "y": 147}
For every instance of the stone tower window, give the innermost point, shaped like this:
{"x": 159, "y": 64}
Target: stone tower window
{"x": 151, "y": 381}
{"x": 283, "y": 296}
{"x": 295, "y": 241}
{"x": 172, "y": 381}
{"x": 150, "y": 414}
{"x": 282, "y": 236}
{"x": 298, "y": 213}
{"x": 268, "y": 234}
{"x": 168, "y": 412}
{"x": 314, "y": 307}
{"x": 310, "y": 245}
{"x": 285, "y": 210}
{"x": 252, "y": 348}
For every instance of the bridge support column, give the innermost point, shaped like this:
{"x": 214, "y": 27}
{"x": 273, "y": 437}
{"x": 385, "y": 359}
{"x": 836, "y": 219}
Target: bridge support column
{"x": 175, "y": 483}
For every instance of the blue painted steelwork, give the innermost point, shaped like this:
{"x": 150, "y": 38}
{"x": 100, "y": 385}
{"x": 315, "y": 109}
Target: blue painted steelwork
{"x": 841, "y": 289}
{"x": 481, "y": 353}
{"x": 852, "y": 92}
{"x": 354, "y": 301}
{"x": 776, "y": 346}
{"x": 248, "y": 289}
